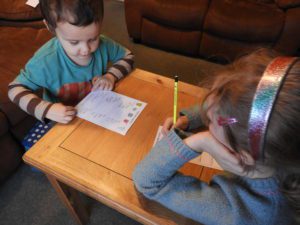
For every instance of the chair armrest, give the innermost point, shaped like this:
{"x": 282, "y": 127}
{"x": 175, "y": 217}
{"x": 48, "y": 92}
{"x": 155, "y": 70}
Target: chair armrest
{"x": 286, "y": 4}
{"x": 133, "y": 17}
{"x": 165, "y": 13}
{"x": 12, "y": 112}
{"x": 4, "y": 126}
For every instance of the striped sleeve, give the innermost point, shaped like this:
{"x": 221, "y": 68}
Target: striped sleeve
{"x": 28, "y": 101}
{"x": 123, "y": 66}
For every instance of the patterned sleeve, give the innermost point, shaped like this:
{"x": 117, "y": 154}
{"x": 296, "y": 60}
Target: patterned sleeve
{"x": 121, "y": 58}
{"x": 21, "y": 92}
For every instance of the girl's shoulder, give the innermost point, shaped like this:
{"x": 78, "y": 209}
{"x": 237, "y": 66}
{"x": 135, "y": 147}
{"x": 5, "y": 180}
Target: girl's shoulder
{"x": 260, "y": 196}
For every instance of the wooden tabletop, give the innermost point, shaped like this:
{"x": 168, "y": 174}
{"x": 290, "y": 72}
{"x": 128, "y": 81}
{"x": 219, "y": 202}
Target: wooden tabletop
{"x": 99, "y": 162}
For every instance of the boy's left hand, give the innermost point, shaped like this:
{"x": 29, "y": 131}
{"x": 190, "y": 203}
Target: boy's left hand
{"x": 105, "y": 82}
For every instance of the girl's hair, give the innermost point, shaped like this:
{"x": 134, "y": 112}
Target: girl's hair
{"x": 233, "y": 92}
{"x": 75, "y": 12}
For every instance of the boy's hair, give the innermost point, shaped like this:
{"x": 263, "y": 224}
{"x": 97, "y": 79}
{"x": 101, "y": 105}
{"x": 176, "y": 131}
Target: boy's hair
{"x": 233, "y": 92}
{"x": 75, "y": 12}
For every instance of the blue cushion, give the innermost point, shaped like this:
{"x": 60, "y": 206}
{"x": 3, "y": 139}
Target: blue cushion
{"x": 35, "y": 134}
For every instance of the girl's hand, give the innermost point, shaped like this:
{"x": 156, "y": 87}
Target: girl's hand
{"x": 181, "y": 123}
{"x": 225, "y": 157}
{"x": 240, "y": 163}
{"x": 61, "y": 113}
{"x": 105, "y": 82}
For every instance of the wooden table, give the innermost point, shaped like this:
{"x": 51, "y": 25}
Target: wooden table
{"x": 84, "y": 157}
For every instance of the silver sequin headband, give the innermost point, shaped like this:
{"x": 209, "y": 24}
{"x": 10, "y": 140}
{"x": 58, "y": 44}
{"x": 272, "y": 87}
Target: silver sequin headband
{"x": 263, "y": 102}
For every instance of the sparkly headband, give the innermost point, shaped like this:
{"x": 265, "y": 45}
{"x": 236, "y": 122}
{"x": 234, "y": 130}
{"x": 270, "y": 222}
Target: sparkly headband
{"x": 263, "y": 102}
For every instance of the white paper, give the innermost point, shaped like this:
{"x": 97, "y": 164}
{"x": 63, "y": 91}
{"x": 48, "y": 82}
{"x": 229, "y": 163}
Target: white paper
{"x": 110, "y": 110}
{"x": 32, "y": 3}
{"x": 206, "y": 160}
{"x": 159, "y": 135}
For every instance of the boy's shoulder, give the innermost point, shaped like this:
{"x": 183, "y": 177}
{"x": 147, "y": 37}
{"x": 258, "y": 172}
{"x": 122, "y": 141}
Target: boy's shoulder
{"x": 105, "y": 39}
{"x": 48, "y": 50}
{"x": 109, "y": 44}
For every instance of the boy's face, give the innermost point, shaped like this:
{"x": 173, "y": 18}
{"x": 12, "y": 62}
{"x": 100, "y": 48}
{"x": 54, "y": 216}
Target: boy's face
{"x": 78, "y": 42}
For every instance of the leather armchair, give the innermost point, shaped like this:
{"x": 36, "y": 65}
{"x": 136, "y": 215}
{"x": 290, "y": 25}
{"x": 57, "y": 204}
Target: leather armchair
{"x": 218, "y": 30}
{"x": 18, "y": 42}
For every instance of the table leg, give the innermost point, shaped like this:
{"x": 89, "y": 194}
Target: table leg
{"x": 71, "y": 200}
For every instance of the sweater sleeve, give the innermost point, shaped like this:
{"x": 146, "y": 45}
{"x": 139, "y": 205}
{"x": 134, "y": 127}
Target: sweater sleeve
{"x": 121, "y": 58}
{"x": 28, "y": 101}
{"x": 223, "y": 201}
{"x": 194, "y": 117}
{"x": 21, "y": 90}
{"x": 156, "y": 177}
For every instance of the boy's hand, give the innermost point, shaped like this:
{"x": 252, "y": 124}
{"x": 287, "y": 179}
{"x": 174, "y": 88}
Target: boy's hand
{"x": 181, "y": 123}
{"x": 105, "y": 82}
{"x": 61, "y": 113}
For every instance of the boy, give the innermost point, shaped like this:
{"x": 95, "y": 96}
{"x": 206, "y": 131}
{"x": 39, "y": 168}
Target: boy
{"x": 71, "y": 64}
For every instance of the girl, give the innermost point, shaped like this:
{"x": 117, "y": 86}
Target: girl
{"x": 252, "y": 114}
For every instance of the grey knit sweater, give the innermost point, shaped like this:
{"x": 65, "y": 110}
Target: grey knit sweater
{"x": 226, "y": 200}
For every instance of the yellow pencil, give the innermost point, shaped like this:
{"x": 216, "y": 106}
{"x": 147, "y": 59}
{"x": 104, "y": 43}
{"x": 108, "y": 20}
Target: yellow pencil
{"x": 175, "y": 99}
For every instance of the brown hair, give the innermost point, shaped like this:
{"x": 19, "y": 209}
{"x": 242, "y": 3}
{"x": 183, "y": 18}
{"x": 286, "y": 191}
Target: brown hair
{"x": 233, "y": 92}
{"x": 75, "y": 12}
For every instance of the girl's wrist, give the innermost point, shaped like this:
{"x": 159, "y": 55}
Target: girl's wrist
{"x": 193, "y": 143}
{"x": 199, "y": 142}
